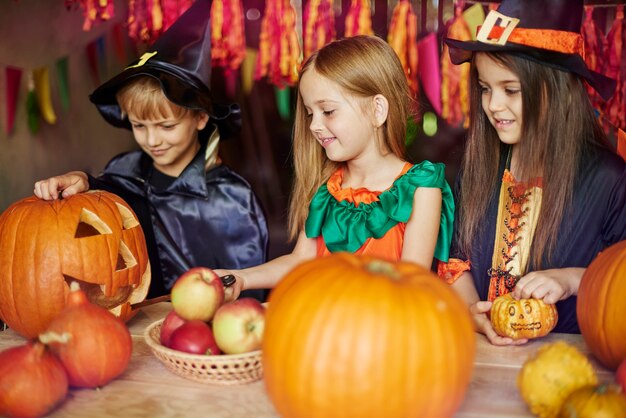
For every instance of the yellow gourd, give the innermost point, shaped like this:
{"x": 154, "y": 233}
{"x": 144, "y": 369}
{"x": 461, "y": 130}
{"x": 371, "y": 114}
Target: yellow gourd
{"x": 603, "y": 401}
{"x": 550, "y": 375}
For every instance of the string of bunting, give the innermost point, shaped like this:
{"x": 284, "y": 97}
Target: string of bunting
{"x": 280, "y": 54}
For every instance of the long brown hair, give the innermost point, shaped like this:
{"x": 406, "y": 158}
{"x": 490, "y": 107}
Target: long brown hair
{"x": 559, "y": 126}
{"x": 363, "y": 66}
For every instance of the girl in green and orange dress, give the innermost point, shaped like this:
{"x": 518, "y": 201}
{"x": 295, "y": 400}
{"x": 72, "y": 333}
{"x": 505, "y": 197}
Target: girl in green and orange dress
{"x": 354, "y": 190}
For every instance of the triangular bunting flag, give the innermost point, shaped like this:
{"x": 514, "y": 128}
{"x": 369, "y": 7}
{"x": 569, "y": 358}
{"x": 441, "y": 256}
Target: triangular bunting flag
{"x": 32, "y": 109}
{"x": 474, "y": 16}
{"x": 92, "y": 61}
{"x": 429, "y": 70}
{"x": 41, "y": 77}
{"x": 13, "y": 78}
{"x": 63, "y": 82}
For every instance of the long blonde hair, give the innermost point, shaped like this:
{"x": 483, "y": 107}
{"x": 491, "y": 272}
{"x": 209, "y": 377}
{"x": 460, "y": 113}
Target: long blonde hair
{"x": 363, "y": 66}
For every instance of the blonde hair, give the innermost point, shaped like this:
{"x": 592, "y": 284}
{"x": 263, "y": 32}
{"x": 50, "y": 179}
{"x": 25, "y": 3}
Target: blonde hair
{"x": 363, "y": 66}
{"x": 143, "y": 97}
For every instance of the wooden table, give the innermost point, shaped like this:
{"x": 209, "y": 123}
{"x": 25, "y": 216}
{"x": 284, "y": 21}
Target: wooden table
{"x": 148, "y": 389}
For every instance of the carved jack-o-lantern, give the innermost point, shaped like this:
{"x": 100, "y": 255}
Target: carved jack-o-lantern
{"x": 523, "y": 318}
{"x": 92, "y": 238}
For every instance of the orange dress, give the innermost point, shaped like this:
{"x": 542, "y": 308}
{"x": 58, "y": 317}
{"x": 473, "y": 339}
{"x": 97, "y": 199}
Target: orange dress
{"x": 389, "y": 246}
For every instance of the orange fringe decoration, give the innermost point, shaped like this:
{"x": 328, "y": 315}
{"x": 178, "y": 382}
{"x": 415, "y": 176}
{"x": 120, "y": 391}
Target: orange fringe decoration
{"x": 148, "y": 19}
{"x": 359, "y": 19}
{"x": 595, "y": 49}
{"x": 319, "y": 25}
{"x": 402, "y": 37}
{"x": 455, "y": 78}
{"x": 279, "y": 49}
{"x": 614, "y": 109}
{"x": 228, "y": 40}
{"x": 94, "y": 11}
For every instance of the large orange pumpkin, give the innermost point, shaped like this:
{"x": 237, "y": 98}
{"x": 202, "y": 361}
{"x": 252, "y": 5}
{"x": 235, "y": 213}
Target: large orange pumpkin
{"x": 353, "y": 336}
{"x": 600, "y": 308}
{"x": 93, "y": 238}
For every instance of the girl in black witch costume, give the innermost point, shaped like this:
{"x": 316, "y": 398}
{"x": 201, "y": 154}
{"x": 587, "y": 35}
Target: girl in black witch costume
{"x": 194, "y": 211}
{"x": 541, "y": 192}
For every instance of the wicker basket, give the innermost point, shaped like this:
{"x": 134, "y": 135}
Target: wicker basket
{"x": 223, "y": 369}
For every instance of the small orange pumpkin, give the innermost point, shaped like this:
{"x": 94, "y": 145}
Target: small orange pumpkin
{"x": 93, "y": 238}
{"x": 354, "y": 336}
{"x": 600, "y": 306}
{"x": 523, "y": 318}
{"x": 592, "y": 401}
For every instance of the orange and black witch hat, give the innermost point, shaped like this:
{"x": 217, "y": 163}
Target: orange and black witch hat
{"x": 544, "y": 31}
{"x": 180, "y": 60}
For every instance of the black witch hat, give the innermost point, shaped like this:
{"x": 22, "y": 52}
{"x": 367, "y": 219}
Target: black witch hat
{"x": 180, "y": 60}
{"x": 544, "y": 31}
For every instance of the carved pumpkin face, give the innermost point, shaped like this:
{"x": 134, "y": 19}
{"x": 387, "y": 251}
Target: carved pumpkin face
{"x": 92, "y": 238}
{"x": 523, "y": 318}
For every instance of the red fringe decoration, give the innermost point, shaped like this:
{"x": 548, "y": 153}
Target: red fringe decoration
{"x": 95, "y": 11}
{"x": 615, "y": 68}
{"x": 148, "y": 19}
{"x": 228, "y": 40}
{"x": 402, "y": 37}
{"x": 455, "y": 78}
{"x": 595, "y": 50}
{"x": 319, "y": 25}
{"x": 359, "y": 19}
{"x": 279, "y": 48}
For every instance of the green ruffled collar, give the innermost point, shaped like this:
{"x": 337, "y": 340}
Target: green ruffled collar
{"x": 346, "y": 227}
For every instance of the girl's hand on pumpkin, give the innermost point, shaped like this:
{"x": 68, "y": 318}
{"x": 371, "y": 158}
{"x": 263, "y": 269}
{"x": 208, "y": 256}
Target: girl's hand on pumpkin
{"x": 483, "y": 325}
{"x": 550, "y": 285}
{"x": 68, "y": 184}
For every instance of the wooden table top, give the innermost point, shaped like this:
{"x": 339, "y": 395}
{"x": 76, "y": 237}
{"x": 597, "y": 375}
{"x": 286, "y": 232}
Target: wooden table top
{"x": 148, "y": 389}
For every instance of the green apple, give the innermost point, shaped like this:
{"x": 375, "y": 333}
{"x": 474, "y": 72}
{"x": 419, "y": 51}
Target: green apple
{"x": 238, "y": 326}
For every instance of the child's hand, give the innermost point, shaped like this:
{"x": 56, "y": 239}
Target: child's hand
{"x": 550, "y": 285}
{"x": 231, "y": 292}
{"x": 69, "y": 184}
{"x": 483, "y": 325}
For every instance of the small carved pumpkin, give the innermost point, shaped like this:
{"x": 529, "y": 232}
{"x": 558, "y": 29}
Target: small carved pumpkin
{"x": 591, "y": 401}
{"x": 93, "y": 238}
{"x": 553, "y": 372}
{"x": 523, "y": 318}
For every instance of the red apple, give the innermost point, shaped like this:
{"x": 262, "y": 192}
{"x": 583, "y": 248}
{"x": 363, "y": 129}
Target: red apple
{"x": 171, "y": 322}
{"x": 238, "y": 326}
{"x": 197, "y": 294}
{"x": 195, "y": 337}
{"x": 620, "y": 376}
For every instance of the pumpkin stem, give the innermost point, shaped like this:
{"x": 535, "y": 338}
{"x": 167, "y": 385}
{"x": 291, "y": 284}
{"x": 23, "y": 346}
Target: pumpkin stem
{"x": 53, "y": 337}
{"x": 76, "y": 296}
{"x": 602, "y": 389}
{"x": 383, "y": 267}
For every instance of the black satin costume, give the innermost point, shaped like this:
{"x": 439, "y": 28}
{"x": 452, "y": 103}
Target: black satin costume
{"x": 211, "y": 219}
{"x": 597, "y": 220}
